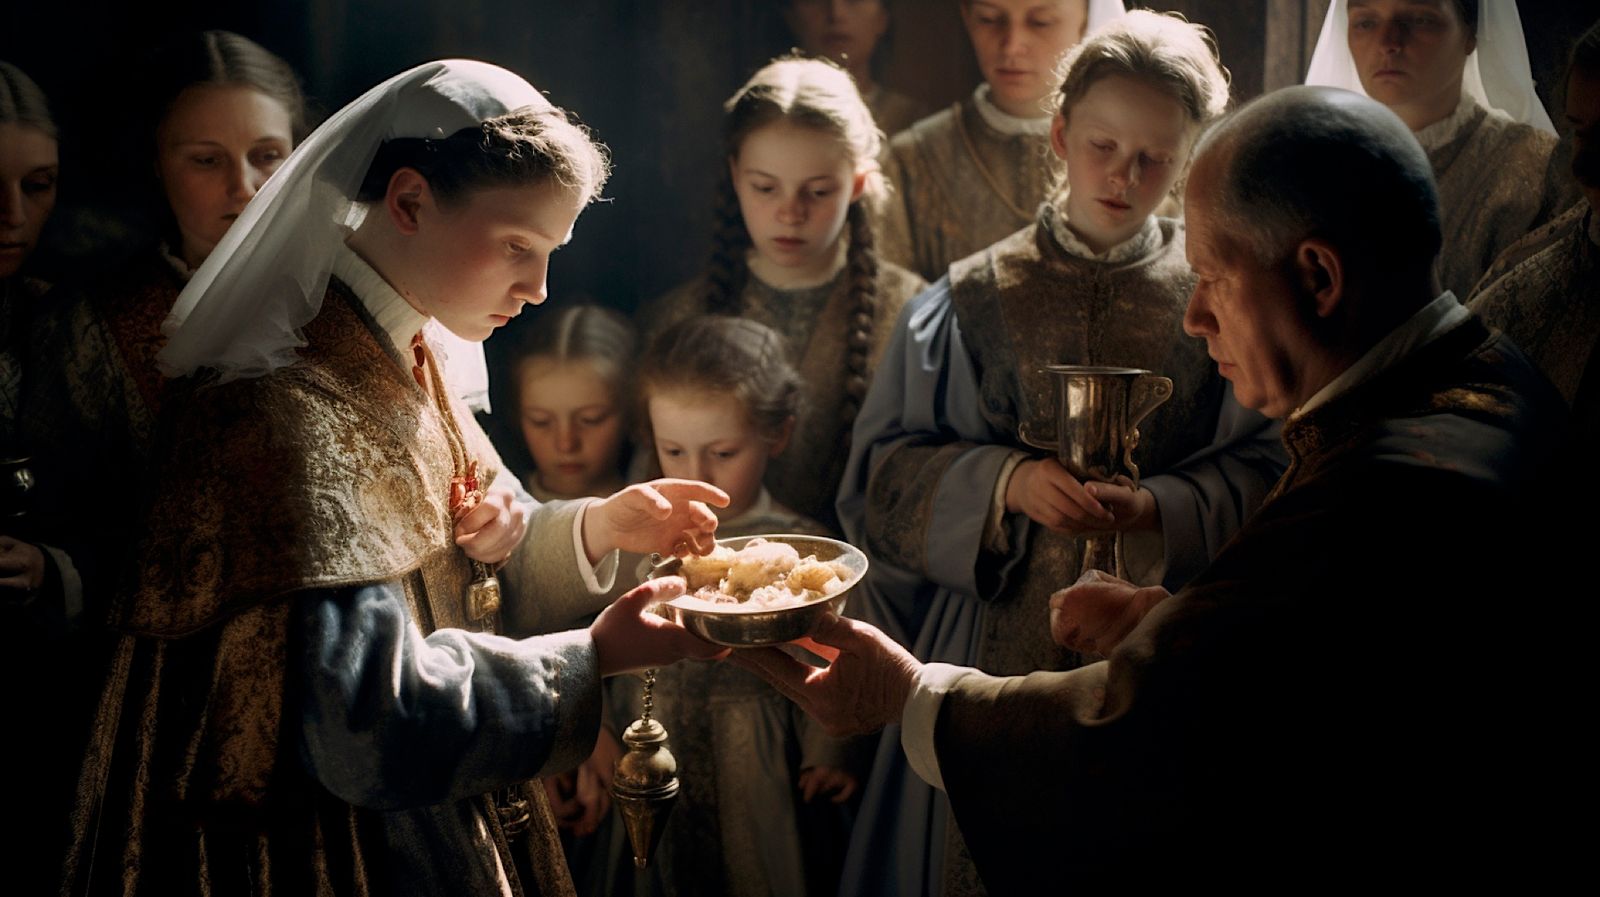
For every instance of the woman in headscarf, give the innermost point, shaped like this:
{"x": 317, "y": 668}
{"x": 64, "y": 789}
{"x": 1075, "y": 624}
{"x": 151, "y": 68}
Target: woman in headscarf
{"x": 1456, "y": 72}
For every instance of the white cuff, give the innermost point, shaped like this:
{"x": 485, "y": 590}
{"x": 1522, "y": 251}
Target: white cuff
{"x": 922, "y": 714}
{"x": 995, "y": 537}
{"x": 71, "y": 583}
{"x": 599, "y": 578}
{"x": 1144, "y": 553}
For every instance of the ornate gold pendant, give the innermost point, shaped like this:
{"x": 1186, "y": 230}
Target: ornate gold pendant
{"x": 483, "y": 596}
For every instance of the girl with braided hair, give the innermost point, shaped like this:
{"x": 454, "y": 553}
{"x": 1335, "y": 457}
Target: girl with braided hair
{"x": 794, "y": 249}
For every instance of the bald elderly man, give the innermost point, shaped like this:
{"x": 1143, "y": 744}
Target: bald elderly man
{"x": 1330, "y": 696}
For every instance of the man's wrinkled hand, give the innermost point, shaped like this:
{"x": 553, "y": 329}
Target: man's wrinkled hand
{"x": 1094, "y": 615}
{"x": 22, "y": 565}
{"x": 862, "y": 690}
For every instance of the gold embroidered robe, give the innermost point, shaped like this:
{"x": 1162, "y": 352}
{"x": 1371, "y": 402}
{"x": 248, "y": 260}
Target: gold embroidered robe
{"x": 321, "y": 486}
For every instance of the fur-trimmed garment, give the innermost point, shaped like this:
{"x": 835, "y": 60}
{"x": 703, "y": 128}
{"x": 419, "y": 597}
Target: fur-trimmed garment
{"x": 300, "y": 701}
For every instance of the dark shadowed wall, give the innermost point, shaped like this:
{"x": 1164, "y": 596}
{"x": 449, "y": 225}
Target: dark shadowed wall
{"x": 648, "y": 75}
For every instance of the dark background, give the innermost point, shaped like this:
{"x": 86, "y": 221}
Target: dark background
{"x": 649, "y": 76}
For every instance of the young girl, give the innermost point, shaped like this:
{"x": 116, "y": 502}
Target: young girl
{"x": 794, "y": 250}
{"x": 308, "y": 694}
{"x": 571, "y": 387}
{"x": 721, "y": 401}
{"x": 976, "y": 172}
{"x": 222, "y": 115}
{"x": 572, "y": 391}
{"x": 1456, "y": 71}
{"x": 969, "y": 531}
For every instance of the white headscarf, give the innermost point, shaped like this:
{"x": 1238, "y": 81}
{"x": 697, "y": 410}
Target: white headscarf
{"x": 1101, "y": 12}
{"x": 241, "y": 313}
{"x": 1497, "y": 73}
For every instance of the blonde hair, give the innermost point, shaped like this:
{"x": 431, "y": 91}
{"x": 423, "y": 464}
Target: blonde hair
{"x": 815, "y": 94}
{"x": 1162, "y": 49}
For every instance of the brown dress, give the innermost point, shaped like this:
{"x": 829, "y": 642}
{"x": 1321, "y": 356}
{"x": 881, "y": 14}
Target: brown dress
{"x": 959, "y": 185}
{"x": 1494, "y": 187}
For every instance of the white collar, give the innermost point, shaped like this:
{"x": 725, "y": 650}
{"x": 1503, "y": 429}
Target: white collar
{"x": 1448, "y": 128}
{"x": 177, "y": 264}
{"x": 1006, "y": 123}
{"x": 393, "y": 314}
{"x": 1135, "y": 247}
{"x": 1434, "y": 320}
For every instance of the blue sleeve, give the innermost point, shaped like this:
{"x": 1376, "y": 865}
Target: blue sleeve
{"x": 393, "y": 719}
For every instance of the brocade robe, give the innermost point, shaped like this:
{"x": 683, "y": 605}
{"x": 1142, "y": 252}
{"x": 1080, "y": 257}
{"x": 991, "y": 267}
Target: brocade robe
{"x": 1495, "y": 186}
{"x": 90, "y": 408}
{"x": 1327, "y": 701}
{"x": 1544, "y": 293}
{"x": 958, "y": 185}
{"x": 816, "y": 323}
{"x": 18, "y": 296}
{"x": 930, "y": 445}
{"x": 300, "y": 701}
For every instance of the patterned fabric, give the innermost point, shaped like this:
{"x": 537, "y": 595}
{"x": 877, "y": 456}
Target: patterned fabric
{"x": 308, "y": 459}
{"x": 816, "y": 323}
{"x": 90, "y": 407}
{"x": 17, "y": 297}
{"x": 1023, "y": 304}
{"x": 331, "y": 473}
{"x": 1495, "y": 186}
{"x": 1544, "y": 292}
{"x": 958, "y": 186}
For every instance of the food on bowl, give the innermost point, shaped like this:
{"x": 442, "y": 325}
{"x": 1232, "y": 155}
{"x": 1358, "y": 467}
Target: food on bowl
{"x": 760, "y": 576}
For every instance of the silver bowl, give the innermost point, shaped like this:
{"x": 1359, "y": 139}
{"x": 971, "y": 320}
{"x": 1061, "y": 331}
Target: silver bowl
{"x": 735, "y": 628}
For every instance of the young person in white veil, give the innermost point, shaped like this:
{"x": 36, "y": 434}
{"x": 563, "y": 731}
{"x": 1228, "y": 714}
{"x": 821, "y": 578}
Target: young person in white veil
{"x": 309, "y": 695}
{"x": 1456, "y": 72}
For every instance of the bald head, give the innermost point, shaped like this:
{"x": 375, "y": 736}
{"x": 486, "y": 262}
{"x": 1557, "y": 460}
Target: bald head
{"x": 1318, "y": 162}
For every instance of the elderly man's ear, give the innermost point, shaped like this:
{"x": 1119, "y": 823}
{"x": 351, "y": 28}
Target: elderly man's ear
{"x": 1320, "y": 273}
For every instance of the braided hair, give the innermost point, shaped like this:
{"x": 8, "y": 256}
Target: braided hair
{"x": 816, "y": 94}
{"x": 722, "y": 355}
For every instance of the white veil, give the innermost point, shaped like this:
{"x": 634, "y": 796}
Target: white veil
{"x": 1497, "y": 74}
{"x": 1101, "y": 12}
{"x": 241, "y": 313}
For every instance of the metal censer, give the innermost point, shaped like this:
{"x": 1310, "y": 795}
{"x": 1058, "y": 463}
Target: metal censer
{"x": 1098, "y": 410}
